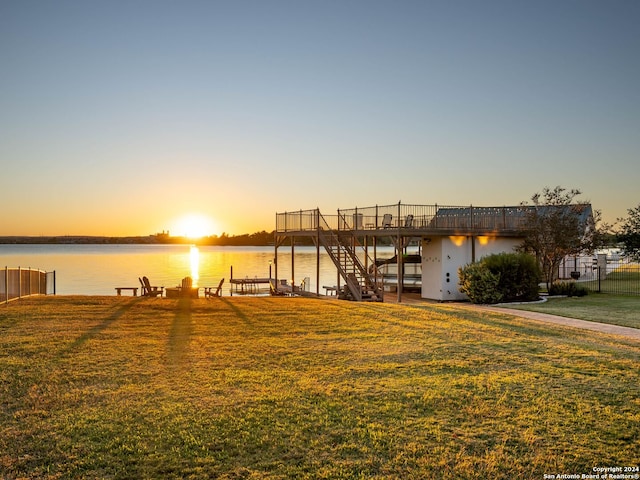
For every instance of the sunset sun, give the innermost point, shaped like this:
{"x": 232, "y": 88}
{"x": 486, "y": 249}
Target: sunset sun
{"x": 194, "y": 226}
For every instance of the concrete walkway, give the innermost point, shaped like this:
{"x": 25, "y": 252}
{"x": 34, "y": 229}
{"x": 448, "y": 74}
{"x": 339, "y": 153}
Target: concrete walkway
{"x": 628, "y": 332}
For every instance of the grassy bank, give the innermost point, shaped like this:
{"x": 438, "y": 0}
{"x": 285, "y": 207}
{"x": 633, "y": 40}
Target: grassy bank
{"x": 596, "y": 307}
{"x": 116, "y": 387}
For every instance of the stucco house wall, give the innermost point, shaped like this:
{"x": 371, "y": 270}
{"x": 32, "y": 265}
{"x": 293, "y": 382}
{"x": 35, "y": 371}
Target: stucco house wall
{"x": 443, "y": 256}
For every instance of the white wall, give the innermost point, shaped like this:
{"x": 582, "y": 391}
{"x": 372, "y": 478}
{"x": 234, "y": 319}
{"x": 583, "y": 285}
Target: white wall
{"x": 456, "y": 253}
{"x": 490, "y": 245}
{"x": 443, "y": 256}
{"x": 432, "y": 268}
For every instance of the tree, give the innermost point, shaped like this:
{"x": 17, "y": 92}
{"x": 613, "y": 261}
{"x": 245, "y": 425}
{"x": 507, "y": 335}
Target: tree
{"x": 556, "y": 227}
{"x": 630, "y": 233}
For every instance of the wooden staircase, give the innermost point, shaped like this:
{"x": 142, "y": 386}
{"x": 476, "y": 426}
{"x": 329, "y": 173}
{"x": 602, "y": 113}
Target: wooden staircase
{"x": 341, "y": 247}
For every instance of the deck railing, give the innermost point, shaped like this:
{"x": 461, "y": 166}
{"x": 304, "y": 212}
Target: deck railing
{"x": 22, "y": 282}
{"x": 432, "y": 217}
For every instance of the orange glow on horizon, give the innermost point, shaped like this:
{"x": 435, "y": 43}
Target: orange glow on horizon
{"x": 193, "y": 226}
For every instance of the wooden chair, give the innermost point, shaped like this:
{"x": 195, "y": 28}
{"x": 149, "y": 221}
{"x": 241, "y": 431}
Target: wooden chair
{"x": 386, "y": 220}
{"x": 148, "y": 290}
{"x": 210, "y": 292}
{"x": 279, "y": 289}
{"x": 408, "y": 222}
{"x": 187, "y": 289}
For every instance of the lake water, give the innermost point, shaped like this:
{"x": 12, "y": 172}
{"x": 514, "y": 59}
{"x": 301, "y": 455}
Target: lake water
{"x": 98, "y": 269}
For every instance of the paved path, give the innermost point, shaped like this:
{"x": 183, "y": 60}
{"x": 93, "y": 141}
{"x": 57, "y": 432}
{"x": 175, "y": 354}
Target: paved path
{"x": 569, "y": 322}
{"x": 628, "y": 332}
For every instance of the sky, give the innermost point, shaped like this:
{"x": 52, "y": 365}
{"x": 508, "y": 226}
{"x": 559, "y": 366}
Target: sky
{"x": 122, "y": 117}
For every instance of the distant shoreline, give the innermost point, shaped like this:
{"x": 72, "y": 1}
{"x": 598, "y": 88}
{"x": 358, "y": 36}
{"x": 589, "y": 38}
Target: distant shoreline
{"x": 89, "y": 240}
{"x": 258, "y": 239}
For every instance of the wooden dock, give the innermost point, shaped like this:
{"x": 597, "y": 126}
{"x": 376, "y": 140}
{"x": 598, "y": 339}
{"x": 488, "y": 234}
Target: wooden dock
{"x": 263, "y": 286}
{"x": 250, "y": 286}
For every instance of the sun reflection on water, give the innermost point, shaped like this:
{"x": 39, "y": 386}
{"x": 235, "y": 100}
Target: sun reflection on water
{"x": 194, "y": 259}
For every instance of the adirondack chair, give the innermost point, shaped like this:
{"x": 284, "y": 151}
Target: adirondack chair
{"x": 210, "y": 292}
{"x": 408, "y": 222}
{"x": 148, "y": 290}
{"x": 279, "y": 289}
{"x": 187, "y": 289}
{"x": 386, "y": 220}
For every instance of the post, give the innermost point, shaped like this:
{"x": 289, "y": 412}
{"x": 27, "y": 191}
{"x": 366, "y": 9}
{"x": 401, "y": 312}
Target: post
{"x": 366, "y": 253}
{"x": 19, "y": 282}
{"x": 473, "y": 249}
{"x": 275, "y": 261}
{"x": 54, "y": 282}
{"x": 375, "y": 260}
{"x": 6, "y": 284}
{"x": 435, "y": 217}
{"x": 602, "y": 269}
{"x": 275, "y": 254}
{"x": 399, "y": 248}
{"x": 317, "y": 251}
{"x": 318, "y": 266}
{"x": 293, "y": 275}
{"x": 339, "y": 250}
{"x": 471, "y": 225}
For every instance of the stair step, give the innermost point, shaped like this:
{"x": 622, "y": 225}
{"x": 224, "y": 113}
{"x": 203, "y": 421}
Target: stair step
{"x": 340, "y": 248}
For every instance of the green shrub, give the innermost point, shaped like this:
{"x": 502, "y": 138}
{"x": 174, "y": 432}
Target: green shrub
{"x": 570, "y": 289}
{"x": 479, "y": 283}
{"x": 519, "y": 275}
{"x": 503, "y": 277}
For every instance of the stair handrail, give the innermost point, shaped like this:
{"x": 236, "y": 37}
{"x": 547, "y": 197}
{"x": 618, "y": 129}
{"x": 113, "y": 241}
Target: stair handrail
{"x": 358, "y": 267}
{"x": 357, "y": 246}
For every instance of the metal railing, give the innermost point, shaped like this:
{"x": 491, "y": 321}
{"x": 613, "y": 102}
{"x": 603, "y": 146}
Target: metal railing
{"x": 432, "y": 217}
{"x": 20, "y": 282}
{"x": 603, "y": 273}
{"x": 614, "y": 275}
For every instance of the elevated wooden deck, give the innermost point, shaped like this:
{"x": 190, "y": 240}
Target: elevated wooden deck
{"x": 342, "y": 235}
{"x": 406, "y": 221}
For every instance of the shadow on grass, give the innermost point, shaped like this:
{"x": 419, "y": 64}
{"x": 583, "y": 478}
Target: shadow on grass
{"x": 239, "y": 313}
{"x": 180, "y": 335}
{"x": 97, "y": 329}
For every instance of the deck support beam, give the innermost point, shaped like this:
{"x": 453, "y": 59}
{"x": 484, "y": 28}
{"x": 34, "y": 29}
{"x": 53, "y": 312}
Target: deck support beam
{"x": 293, "y": 256}
{"x": 399, "y": 250}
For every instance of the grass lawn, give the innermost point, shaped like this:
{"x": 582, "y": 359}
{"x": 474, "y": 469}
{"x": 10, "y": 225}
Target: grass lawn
{"x": 130, "y": 387}
{"x": 596, "y": 307}
{"x": 623, "y": 280}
